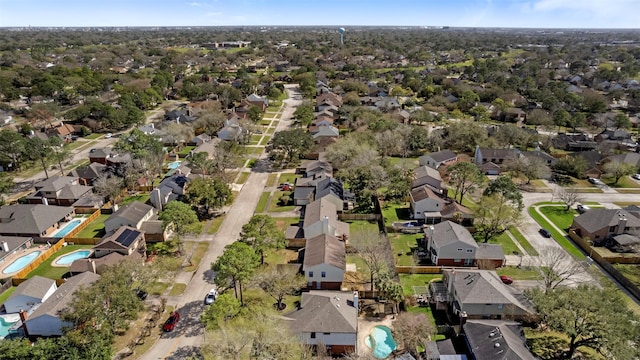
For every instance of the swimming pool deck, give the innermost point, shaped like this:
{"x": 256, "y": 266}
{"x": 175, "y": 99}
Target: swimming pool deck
{"x": 14, "y": 256}
{"x": 365, "y": 325}
{"x": 62, "y": 226}
{"x": 54, "y": 263}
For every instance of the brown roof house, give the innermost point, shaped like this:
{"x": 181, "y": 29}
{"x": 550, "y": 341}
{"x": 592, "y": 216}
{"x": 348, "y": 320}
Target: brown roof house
{"x": 324, "y": 262}
{"x": 125, "y": 241}
{"x": 328, "y": 319}
{"x": 493, "y": 161}
{"x": 133, "y": 215}
{"x": 59, "y": 190}
{"x": 601, "y": 225}
{"x": 321, "y": 217}
{"x": 33, "y": 220}
{"x": 426, "y": 205}
{"x": 450, "y": 244}
{"x": 428, "y": 176}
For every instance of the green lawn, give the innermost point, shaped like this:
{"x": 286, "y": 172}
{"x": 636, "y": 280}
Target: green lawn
{"x": 523, "y": 241}
{"x": 157, "y": 288}
{"x": 197, "y": 255}
{"x": 393, "y": 212}
{"x": 630, "y": 271}
{"x": 177, "y": 289}
{"x": 507, "y": 244}
{"x": 242, "y": 178}
{"x": 262, "y": 203}
{"x": 215, "y": 225}
{"x": 271, "y": 180}
{"x": 255, "y": 139}
{"x": 519, "y": 274}
{"x": 46, "y": 270}
{"x": 557, "y": 236}
{"x": 185, "y": 150}
{"x": 265, "y": 122}
{"x": 408, "y": 281}
{"x": 270, "y": 131}
{"x": 557, "y": 214}
{"x": 5, "y": 295}
{"x": 95, "y": 228}
{"x": 466, "y": 200}
{"x": 283, "y": 222}
{"x": 288, "y": 178}
{"x": 358, "y": 226}
{"x": 625, "y": 182}
{"x": 92, "y": 136}
{"x": 143, "y": 198}
{"x": 402, "y": 245}
{"x": 274, "y": 205}
{"x": 76, "y": 144}
{"x": 264, "y": 141}
{"x": 410, "y": 163}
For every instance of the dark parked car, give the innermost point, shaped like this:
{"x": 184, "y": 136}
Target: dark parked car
{"x": 544, "y": 232}
{"x": 582, "y": 208}
{"x": 171, "y": 322}
{"x": 506, "y": 279}
{"x": 141, "y": 294}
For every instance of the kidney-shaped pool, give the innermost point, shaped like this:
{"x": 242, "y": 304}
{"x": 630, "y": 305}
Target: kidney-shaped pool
{"x": 21, "y": 262}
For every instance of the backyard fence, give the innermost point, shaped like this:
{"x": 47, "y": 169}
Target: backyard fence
{"x": 419, "y": 269}
{"x": 83, "y": 241}
{"x": 82, "y": 225}
{"x": 44, "y": 256}
{"x": 367, "y": 217}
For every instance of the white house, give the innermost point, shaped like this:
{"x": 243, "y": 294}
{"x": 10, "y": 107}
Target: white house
{"x": 425, "y": 204}
{"x": 44, "y": 320}
{"x": 327, "y": 318}
{"x": 33, "y": 291}
{"x": 324, "y": 262}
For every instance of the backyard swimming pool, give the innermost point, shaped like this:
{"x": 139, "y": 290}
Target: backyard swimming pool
{"x": 380, "y": 341}
{"x": 174, "y": 165}
{"x": 71, "y": 257}
{"x": 21, "y": 263}
{"x": 67, "y": 228}
{"x": 6, "y": 322}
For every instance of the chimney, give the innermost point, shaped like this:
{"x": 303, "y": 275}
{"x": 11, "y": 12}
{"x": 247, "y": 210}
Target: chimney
{"x": 452, "y": 277}
{"x": 622, "y": 223}
{"x": 355, "y": 299}
{"x": 5, "y": 246}
{"x": 23, "y": 319}
{"x": 325, "y": 225}
{"x": 45, "y": 201}
{"x": 430, "y": 240}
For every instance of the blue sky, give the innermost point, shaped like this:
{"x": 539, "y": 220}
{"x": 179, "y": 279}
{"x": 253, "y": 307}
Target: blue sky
{"x": 467, "y": 13}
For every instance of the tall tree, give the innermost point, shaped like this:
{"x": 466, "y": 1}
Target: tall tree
{"x": 108, "y": 186}
{"x": 181, "y": 218}
{"x": 6, "y": 185}
{"x": 225, "y": 308}
{"x": 210, "y": 193}
{"x": 41, "y": 151}
{"x": 557, "y": 267}
{"x": 12, "y": 148}
{"x": 413, "y": 330}
{"x": 618, "y": 169}
{"x": 584, "y": 314}
{"x": 279, "y": 281}
{"x": 506, "y": 190}
{"x": 464, "y": 176}
{"x": 568, "y": 196}
{"x": 262, "y": 233}
{"x": 304, "y": 114}
{"x": 289, "y": 145}
{"x": 236, "y": 265}
{"x": 372, "y": 249}
{"x": 494, "y": 215}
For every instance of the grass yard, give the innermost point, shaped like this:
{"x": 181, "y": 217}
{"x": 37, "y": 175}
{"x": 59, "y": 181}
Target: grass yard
{"x": 215, "y": 225}
{"x": 76, "y": 144}
{"x": 197, "y": 255}
{"x": 92, "y": 136}
{"x": 560, "y": 238}
{"x": 625, "y": 203}
{"x": 519, "y": 274}
{"x": 265, "y": 122}
{"x": 625, "y": 182}
{"x": 557, "y": 214}
{"x": 411, "y": 162}
{"x": 242, "y": 178}
{"x": 95, "y": 228}
{"x": 255, "y": 139}
{"x": 466, "y": 200}
{"x": 288, "y": 178}
{"x": 408, "y": 281}
{"x": 177, "y": 289}
{"x": 251, "y": 163}
{"x": 270, "y": 131}
{"x": 185, "y": 150}
{"x": 395, "y": 212}
{"x": 254, "y": 297}
{"x": 143, "y": 198}
{"x": 5, "y": 295}
{"x": 362, "y": 226}
{"x": 507, "y": 244}
{"x": 283, "y": 223}
{"x": 257, "y": 151}
{"x": 262, "y": 203}
{"x": 46, "y": 270}
{"x": 628, "y": 191}
{"x": 274, "y": 206}
{"x": 271, "y": 180}
{"x": 630, "y": 271}
{"x": 403, "y": 245}
{"x": 539, "y": 184}
{"x": 280, "y": 256}
{"x": 157, "y": 288}
{"x": 523, "y": 241}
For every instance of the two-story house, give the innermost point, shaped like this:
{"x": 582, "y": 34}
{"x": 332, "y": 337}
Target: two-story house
{"x": 451, "y": 244}
{"x": 59, "y": 190}
{"x": 133, "y": 214}
{"x": 425, "y": 204}
{"x": 324, "y": 262}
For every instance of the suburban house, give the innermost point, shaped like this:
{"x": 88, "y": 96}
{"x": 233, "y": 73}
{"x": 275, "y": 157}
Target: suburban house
{"x": 258, "y": 101}
{"x": 179, "y": 116}
{"x": 133, "y": 214}
{"x": 333, "y": 189}
{"x": 304, "y": 191}
{"x": 601, "y": 225}
{"x": 496, "y": 340}
{"x": 11, "y": 244}
{"x": 87, "y": 174}
{"x": 426, "y": 205}
{"x": 33, "y": 220}
{"x": 492, "y": 161}
{"x": 316, "y": 168}
{"x": 108, "y": 157}
{"x": 327, "y": 318}
{"x": 44, "y": 319}
{"x": 428, "y": 176}
{"x": 629, "y": 158}
{"x": 30, "y": 292}
{"x": 126, "y": 241}
{"x": 436, "y": 159}
{"x": 324, "y": 262}
{"x": 58, "y": 190}
{"x": 574, "y": 142}
{"x": 321, "y": 217}
{"x": 171, "y": 188}
{"x": 457, "y": 213}
{"x": 232, "y": 131}
{"x": 545, "y": 158}
{"x": 450, "y": 244}
{"x": 480, "y": 294}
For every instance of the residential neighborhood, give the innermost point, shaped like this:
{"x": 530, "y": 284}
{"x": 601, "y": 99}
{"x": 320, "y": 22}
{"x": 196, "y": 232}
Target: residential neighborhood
{"x": 291, "y": 194}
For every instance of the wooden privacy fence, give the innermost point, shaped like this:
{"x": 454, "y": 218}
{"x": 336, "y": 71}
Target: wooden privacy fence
{"x": 82, "y": 225}
{"x": 44, "y": 256}
{"x": 631, "y": 287}
{"x": 368, "y": 217}
{"x": 83, "y": 241}
{"x": 419, "y": 269}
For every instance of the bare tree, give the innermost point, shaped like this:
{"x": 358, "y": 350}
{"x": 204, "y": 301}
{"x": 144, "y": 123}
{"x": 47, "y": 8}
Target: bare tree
{"x": 108, "y": 186}
{"x": 412, "y": 330}
{"x": 556, "y": 267}
{"x": 279, "y": 281}
{"x": 568, "y": 196}
{"x": 371, "y": 248}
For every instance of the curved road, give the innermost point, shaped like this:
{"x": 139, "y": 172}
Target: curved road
{"x": 189, "y": 334}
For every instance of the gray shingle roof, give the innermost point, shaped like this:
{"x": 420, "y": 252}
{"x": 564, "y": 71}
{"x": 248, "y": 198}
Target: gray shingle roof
{"x": 448, "y": 232}
{"x": 324, "y": 249}
{"x": 441, "y": 156}
{"x": 424, "y": 192}
{"x": 35, "y": 287}
{"x": 325, "y": 311}
{"x": 73, "y": 192}
{"x": 489, "y": 252}
{"x": 134, "y": 211}
{"x": 54, "y": 183}
{"x": 596, "y": 219}
{"x": 30, "y": 218}
{"x": 318, "y": 210}
{"x": 63, "y": 295}
{"x": 483, "y": 335}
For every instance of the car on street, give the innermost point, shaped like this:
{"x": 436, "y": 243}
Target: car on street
{"x": 506, "y": 279}
{"x": 211, "y": 296}
{"x": 171, "y": 322}
{"x": 636, "y": 176}
{"x": 108, "y": 135}
{"x": 544, "y": 232}
{"x": 582, "y": 209}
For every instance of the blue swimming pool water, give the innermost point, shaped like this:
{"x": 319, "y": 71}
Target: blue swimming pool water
{"x": 174, "y": 165}
{"x": 20, "y": 263}
{"x": 381, "y": 342}
{"x": 5, "y": 326}
{"x": 69, "y": 258}
{"x": 67, "y": 228}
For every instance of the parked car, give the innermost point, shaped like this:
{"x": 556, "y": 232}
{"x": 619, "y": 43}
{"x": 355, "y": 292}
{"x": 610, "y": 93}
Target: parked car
{"x": 595, "y": 181}
{"x": 544, "y": 232}
{"x": 141, "y": 294}
{"x": 285, "y": 187}
{"x": 108, "y": 135}
{"x": 506, "y": 279}
{"x": 636, "y": 176}
{"x": 211, "y": 296}
{"x": 582, "y": 209}
{"x": 171, "y": 322}
{"x": 411, "y": 224}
